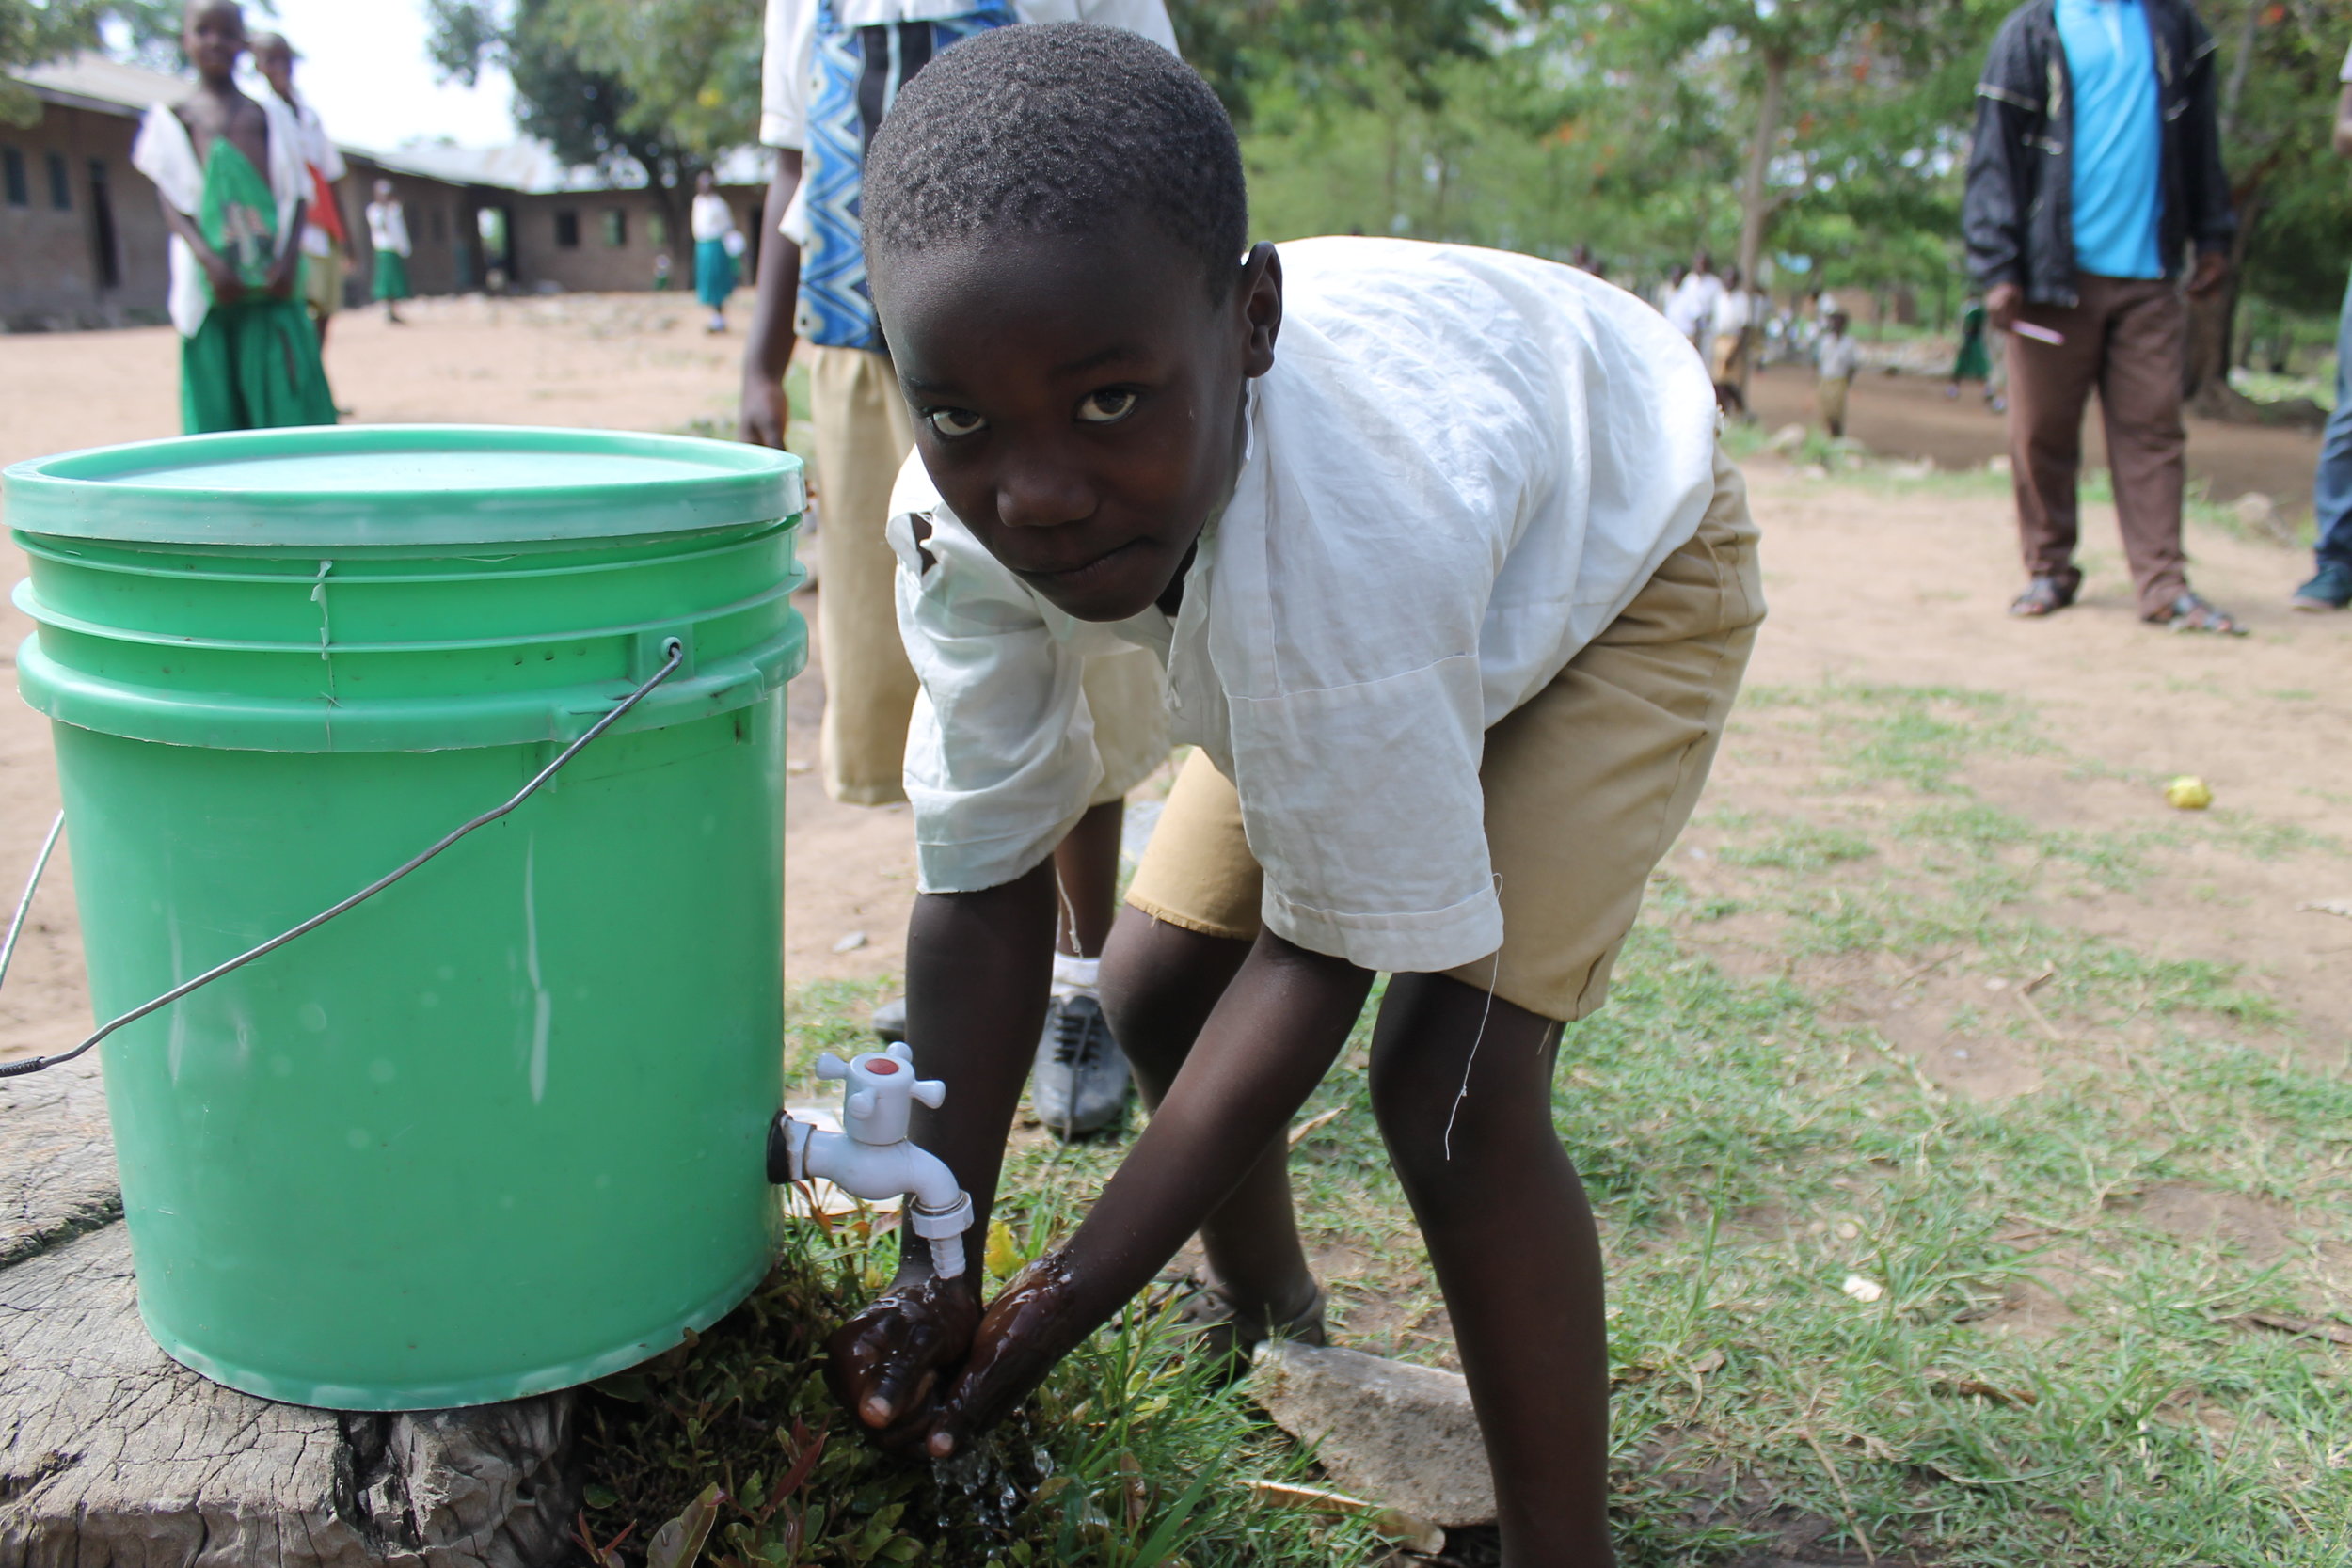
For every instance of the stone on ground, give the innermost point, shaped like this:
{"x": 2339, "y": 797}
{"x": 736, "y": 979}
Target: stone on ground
{"x": 1384, "y": 1431}
{"x": 112, "y": 1455}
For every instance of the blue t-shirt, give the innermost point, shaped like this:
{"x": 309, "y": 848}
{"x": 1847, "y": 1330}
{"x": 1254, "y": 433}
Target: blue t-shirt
{"x": 2118, "y": 136}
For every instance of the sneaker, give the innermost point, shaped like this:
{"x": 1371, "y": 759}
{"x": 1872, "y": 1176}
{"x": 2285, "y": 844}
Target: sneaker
{"x": 1079, "y": 1084}
{"x": 889, "y": 1020}
{"x": 2331, "y": 590}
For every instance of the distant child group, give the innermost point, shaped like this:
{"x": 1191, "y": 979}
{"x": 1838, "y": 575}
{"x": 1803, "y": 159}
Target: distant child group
{"x": 258, "y": 238}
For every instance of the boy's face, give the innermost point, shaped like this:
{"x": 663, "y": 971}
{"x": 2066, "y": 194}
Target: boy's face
{"x": 1078, "y": 401}
{"x": 213, "y": 34}
{"x": 274, "y": 59}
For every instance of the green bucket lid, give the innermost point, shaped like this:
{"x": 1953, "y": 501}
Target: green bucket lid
{"x": 401, "y": 485}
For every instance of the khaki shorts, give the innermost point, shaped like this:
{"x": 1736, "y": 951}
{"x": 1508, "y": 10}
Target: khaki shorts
{"x": 1829, "y": 398}
{"x": 1587, "y": 783}
{"x": 323, "y": 283}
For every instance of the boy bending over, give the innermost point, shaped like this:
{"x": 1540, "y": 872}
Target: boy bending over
{"x": 1453, "y": 592}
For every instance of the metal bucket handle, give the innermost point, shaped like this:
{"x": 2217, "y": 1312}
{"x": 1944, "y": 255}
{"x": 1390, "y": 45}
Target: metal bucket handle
{"x": 673, "y": 654}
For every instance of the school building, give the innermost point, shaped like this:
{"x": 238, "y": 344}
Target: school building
{"x": 82, "y": 237}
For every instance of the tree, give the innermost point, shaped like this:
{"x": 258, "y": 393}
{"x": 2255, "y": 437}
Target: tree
{"x": 2278, "y": 64}
{"x": 33, "y": 32}
{"x": 662, "y": 85}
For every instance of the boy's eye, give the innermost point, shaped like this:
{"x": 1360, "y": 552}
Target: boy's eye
{"x": 955, "y": 421}
{"x": 1107, "y": 406}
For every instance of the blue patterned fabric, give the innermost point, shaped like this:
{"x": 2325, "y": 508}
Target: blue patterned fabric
{"x": 859, "y": 72}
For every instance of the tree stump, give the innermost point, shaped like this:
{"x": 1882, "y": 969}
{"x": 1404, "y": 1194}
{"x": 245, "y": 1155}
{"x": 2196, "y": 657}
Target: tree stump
{"x": 112, "y": 1455}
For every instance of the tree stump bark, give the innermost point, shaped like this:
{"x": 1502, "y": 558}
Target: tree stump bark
{"x": 112, "y": 1455}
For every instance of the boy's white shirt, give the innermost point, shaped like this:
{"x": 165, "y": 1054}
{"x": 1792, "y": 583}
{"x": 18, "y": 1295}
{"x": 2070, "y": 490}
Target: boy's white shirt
{"x": 320, "y": 152}
{"x": 1693, "y": 304}
{"x": 1837, "y": 357}
{"x": 788, "y": 56}
{"x": 164, "y": 151}
{"x": 1462, "y": 467}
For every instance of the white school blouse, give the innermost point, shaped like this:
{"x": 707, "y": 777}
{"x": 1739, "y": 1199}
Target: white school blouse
{"x": 1462, "y": 467}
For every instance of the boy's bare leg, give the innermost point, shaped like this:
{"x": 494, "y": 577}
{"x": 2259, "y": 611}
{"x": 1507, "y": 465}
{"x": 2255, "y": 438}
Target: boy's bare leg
{"x": 1085, "y": 863}
{"x": 1515, "y": 1249}
{"x": 1160, "y": 982}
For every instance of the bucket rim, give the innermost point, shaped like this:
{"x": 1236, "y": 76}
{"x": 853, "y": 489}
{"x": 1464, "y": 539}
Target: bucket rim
{"x": 455, "y": 485}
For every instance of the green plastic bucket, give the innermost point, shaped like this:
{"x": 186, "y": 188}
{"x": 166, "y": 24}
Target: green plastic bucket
{"x": 500, "y": 1129}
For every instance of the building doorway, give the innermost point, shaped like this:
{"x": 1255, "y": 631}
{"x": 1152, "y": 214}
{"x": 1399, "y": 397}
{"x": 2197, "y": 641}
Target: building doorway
{"x": 105, "y": 244}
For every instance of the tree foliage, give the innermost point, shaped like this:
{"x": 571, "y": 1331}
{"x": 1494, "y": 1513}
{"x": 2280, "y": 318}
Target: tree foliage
{"x": 1635, "y": 127}
{"x": 33, "y": 32}
{"x": 664, "y": 85}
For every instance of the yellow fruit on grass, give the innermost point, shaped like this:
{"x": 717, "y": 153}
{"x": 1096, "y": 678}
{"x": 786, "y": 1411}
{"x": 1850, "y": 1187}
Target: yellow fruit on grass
{"x": 2189, "y": 793}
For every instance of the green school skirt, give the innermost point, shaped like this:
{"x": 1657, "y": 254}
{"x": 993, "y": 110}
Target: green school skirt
{"x": 252, "y": 367}
{"x": 714, "y": 273}
{"x": 391, "y": 275}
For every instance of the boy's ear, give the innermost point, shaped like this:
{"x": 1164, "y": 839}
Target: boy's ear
{"x": 1260, "y": 294}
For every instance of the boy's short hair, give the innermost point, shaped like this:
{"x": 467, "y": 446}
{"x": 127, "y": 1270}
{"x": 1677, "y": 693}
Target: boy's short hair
{"x": 1058, "y": 128}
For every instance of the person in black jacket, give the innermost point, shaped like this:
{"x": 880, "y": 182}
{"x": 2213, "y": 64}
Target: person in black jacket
{"x": 2096, "y": 168}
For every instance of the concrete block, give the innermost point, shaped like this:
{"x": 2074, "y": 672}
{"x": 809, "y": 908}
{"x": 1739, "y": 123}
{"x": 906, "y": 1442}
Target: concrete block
{"x": 112, "y": 1455}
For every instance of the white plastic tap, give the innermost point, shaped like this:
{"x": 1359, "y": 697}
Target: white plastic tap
{"x": 872, "y": 1158}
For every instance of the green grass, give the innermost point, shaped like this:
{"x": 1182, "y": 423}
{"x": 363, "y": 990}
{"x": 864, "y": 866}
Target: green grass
{"x": 1126, "y": 1460}
{"x": 2047, "y": 1375}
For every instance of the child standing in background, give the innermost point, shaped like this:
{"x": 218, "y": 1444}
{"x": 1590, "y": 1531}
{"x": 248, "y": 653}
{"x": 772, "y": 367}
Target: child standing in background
{"x": 235, "y": 190}
{"x": 1836, "y": 360}
{"x": 716, "y": 245}
{"x": 387, "y": 231}
{"x": 325, "y": 247}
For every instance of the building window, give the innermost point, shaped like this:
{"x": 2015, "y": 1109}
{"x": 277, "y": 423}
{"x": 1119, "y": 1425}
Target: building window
{"x": 12, "y": 173}
{"x": 60, "y": 183}
{"x": 567, "y": 231}
{"x": 615, "y": 227}
{"x": 658, "y": 229}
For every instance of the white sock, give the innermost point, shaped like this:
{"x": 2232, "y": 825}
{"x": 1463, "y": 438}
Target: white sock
{"x": 1075, "y": 976}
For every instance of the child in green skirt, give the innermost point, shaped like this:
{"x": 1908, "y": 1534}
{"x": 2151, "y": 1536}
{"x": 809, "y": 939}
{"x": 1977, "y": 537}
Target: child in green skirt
{"x": 234, "y": 188}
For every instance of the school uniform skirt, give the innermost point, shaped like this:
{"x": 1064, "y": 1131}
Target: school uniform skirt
{"x": 714, "y": 273}
{"x": 391, "y": 275}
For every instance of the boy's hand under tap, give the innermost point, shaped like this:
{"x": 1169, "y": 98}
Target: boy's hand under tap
{"x": 886, "y": 1364}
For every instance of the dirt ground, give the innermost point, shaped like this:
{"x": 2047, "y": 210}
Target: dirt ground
{"x": 1873, "y": 585}
{"x": 1909, "y": 416}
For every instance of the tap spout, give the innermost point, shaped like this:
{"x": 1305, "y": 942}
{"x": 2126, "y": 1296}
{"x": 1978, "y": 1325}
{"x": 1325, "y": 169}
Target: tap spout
{"x": 872, "y": 1158}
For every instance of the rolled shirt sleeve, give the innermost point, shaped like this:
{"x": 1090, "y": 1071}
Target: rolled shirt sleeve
{"x": 1000, "y": 758}
{"x": 788, "y": 41}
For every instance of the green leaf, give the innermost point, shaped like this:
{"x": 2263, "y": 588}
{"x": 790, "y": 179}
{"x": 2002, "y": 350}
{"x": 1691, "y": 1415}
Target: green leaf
{"x": 1163, "y": 1540}
{"x": 679, "y": 1543}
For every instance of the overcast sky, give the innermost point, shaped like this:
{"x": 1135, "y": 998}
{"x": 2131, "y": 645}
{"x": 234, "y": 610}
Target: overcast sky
{"x": 364, "y": 68}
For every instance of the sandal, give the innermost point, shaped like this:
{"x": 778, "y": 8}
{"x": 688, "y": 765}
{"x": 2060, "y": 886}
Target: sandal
{"x": 2042, "y": 596}
{"x": 2190, "y": 613}
{"x": 1222, "y": 1335}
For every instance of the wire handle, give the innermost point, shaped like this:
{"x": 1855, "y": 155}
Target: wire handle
{"x": 673, "y": 651}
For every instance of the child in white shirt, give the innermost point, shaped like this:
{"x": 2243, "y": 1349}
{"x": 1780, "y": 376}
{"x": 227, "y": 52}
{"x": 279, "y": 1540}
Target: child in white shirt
{"x": 1453, "y": 592}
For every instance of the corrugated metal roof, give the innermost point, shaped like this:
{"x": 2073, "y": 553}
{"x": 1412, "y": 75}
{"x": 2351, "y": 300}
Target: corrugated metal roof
{"x": 94, "y": 81}
{"x": 104, "y": 84}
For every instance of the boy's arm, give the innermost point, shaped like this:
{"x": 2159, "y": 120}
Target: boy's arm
{"x": 766, "y": 417}
{"x": 227, "y": 287}
{"x": 281, "y": 271}
{"x": 1271, "y": 1037}
{"x": 978, "y": 968}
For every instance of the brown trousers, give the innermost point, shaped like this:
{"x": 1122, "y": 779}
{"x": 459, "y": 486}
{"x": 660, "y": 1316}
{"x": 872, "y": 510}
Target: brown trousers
{"x": 2127, "y": 337}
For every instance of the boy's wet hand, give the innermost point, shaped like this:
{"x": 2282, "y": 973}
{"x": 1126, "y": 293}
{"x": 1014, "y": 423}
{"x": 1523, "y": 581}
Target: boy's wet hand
{"x": 1026, "y": 1330}
{"x": 884, "y": 1364}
